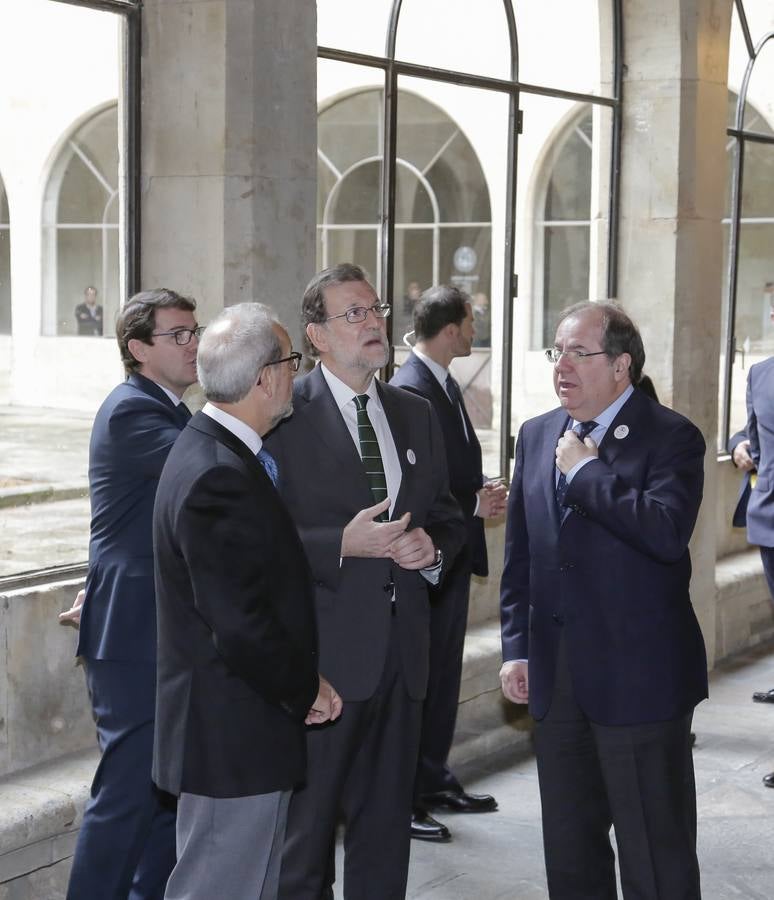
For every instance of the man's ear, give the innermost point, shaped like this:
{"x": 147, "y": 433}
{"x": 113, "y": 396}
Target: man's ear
{"x": 621, "y": 366}
{"x": 318, "y": 336}
{"x": 138, "y": 349}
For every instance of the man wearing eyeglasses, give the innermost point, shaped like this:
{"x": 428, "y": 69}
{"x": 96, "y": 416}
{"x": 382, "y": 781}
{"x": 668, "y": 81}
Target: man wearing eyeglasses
{"x": 362, "y": 469}
{"x": 598, "y": 631}
{"x": 126, "y": 844}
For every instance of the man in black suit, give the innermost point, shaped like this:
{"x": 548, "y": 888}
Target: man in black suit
{"x": 363, "y": 471}
{"x": 126, "y": 843}
{"x": 88, "y": 315}
{"x": 598, "y": 630}
{"x": 237, "y": 638}
{"x": 444, "y": 329}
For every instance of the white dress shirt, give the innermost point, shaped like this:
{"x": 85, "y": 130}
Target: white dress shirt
{"x": 173, "y": 397}
{"x": 603, "y": 420}
{"x": 236, "y": 426}
{"x": 440, "y": 374}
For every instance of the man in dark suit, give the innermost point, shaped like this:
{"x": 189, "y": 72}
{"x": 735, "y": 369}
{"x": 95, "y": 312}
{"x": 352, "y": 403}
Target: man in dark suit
{"x": 753, "y": 451}
{"x": 126, "y": 845}
{"x": 363, "y": 472}
{"x": 237, "y": 673}
{"x": 88, "y": 315}
{"x": 598, "y": 630}
{"x": 444, "y": 330}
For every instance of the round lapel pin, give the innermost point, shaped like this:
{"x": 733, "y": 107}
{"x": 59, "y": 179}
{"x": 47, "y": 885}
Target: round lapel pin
{"x": 621, "y": 432}
{"x": 411, "y": 456}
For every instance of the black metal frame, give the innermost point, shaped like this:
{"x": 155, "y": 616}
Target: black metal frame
{"x": 392, "y": 69}
{"x": 740, "y": 136}
{"x": 131, "y": 11}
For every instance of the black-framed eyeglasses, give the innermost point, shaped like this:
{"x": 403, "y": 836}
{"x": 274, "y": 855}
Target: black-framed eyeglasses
{"x": 360, "y": 313}
{"x": 554, "y": 354}
{"x": 294, "y": 359}
{"x": 182, "y": 336}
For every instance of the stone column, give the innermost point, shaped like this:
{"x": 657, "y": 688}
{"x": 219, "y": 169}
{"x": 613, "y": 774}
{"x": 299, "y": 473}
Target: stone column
{"x": 673, "y": 181}
{"x": 229, "y": 145}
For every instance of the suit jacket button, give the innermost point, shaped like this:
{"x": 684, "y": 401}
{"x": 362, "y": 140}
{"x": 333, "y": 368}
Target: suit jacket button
{"x": 389, "y": 587}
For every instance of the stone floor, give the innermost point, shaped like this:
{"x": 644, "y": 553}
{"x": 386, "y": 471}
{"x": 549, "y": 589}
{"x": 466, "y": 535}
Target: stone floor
{"x": 499, "y": 856}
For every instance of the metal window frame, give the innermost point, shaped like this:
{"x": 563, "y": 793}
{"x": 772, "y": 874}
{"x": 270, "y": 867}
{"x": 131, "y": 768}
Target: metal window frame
{"x": 740, "y": 137}
{"x": 131, "y": 123}
{"x": 392, "y": 69}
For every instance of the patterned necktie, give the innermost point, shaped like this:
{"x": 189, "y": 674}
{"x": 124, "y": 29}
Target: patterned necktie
{"x": 454, "y": 394}
{"x": 270, "y": 464}
{"x": 369, "y": 451}
{"x": 583, "y": 432}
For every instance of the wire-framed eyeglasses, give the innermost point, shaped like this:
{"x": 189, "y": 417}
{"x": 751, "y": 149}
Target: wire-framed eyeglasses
{"x": 360, "y": 313}
{"x": 182, "y": 336}
{"x": 294, "y": 359}
{"x": 554, "y": 354}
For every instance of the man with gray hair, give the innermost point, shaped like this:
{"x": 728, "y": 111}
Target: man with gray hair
{"x": 237, "y": 637}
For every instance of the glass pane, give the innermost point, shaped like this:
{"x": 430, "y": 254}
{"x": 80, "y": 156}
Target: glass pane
{"x": 5, "y": 264}
{"x": 559, "y": 44}
{"x": 453, "y": 142}
{"x": 353, "y": 25}
{"x": 60, "y": 69}
{"x": 759, "y": 102}
{"x": 443, "y": 34}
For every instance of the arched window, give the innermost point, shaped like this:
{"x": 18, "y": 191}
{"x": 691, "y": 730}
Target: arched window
{"x": 442, "y": 209}
{"x": 5, "y": 263}
{"x": 748, "y": 332}
{"x": 80, "y": 224}
{"x": 562, "y": 227}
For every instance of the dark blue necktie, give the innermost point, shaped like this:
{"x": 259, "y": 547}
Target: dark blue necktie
{"x": 583, "y": 432}
{"x": 183, "y": 413}
{"x": 455, "y": 395}
{"x": 270, "y": 464}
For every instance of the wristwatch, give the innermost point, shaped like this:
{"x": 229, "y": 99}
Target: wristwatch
{"x": 438, "y": 559}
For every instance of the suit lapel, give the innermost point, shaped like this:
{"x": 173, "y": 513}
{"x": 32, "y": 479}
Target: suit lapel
{"x": 631, "y": 416}
{"x": 400, "y": 436}
{"x": 555, "y": 428}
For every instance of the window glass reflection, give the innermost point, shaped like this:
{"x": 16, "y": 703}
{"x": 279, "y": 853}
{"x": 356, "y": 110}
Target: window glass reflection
{"x": 5, "y": 263}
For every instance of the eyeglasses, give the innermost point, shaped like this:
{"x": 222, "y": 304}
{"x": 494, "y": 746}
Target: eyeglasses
{"x": 182, "y": 336}
{"x": 554, "y": 354}
{"x": 360, "y": 313}
{"x": 294, "y": 359}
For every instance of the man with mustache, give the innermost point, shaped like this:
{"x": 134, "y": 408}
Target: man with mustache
{"x": 363, "y": 472}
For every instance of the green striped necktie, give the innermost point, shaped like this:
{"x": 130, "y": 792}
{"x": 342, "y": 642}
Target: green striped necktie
{"x": 369, "y": 450}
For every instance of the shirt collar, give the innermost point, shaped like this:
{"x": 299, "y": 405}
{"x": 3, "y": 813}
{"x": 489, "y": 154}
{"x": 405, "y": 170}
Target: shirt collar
{"x": 437, "y": 369}
{"x": 236, "y": 426}
{"x": 343, "y": 394}
{"x": 173, "y": 397}
{"x": 604, "y": 419}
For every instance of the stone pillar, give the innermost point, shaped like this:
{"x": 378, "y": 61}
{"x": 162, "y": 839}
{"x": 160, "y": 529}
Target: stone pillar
{"x": 229, "y": 146}
{"x": 673, "y": 182}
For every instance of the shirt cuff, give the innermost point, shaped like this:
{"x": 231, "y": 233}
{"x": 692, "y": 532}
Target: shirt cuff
{"x": 432, "y": 574}
{"x": 578, "y": 466}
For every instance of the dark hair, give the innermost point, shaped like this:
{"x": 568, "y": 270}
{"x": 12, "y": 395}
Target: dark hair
{"x": 313, "y": 304}
{"x": 619, "y": 333}
{"x": 137, "y": 320}
{"x": 647, "y": 387}
{"x": 438, "y": 307}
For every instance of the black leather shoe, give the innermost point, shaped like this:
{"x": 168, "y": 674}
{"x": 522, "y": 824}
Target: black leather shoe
{"x": 768, "y": 780}
{"x": 764, "y": 696}
{"x": 425, "y": 828}
{"x": 460, "y": 802}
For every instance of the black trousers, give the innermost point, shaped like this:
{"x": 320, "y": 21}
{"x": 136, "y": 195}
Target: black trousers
{"x": 361, "y": 766}
{"x": 448, "y": 623}
{"x": 636, "y": 778}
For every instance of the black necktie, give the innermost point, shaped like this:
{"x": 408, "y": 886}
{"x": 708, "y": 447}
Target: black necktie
{"x": 183, "y": 413}
{"x": 454, "y": 394}
{"x": 583, "y": 432}
{"x": 370, "y": 452}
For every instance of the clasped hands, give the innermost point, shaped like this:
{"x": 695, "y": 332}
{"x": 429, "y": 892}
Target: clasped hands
{"x": 571, "y": 450}
{"x": 492, "y": 500}
{"x": 363, "y": 536}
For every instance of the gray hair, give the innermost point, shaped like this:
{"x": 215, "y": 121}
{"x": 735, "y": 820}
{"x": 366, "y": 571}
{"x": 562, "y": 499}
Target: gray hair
{"x": 237, "y": 344}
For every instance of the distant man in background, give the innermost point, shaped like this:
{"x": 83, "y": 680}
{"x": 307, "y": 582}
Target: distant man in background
{"x": 444, "y": 330}
{"x": 126, "y": 845}
{"x": 88, "y": 315}
{"x": 237, "y": 671}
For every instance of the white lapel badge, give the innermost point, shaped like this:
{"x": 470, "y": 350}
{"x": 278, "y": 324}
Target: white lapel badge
{"x": 621, "y": 432}
{"x": 411, "y": 457}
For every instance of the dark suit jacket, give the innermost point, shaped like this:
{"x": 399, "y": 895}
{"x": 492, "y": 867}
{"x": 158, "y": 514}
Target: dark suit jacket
{"x": 133, "y": 432}
{"x": 760, "y": 431}
{"x": 87, "y": 323}
{"x": 323, "y": 482}
{"x": 613, "y": 576}
{"x": 237, "y": 669}
{"x": 463, "y": 456}
{"x": 739, "y": 517}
